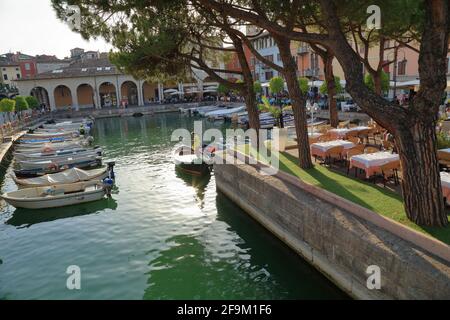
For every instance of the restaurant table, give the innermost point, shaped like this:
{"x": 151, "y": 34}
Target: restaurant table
{"x": 371, "y": 163}
{"x": 444, "y": 151}
{"x": 313, "y": 137}
{"x": 342, "y": 133}
{"x": 320, "y": 149}
{"x": 445, "y": 180}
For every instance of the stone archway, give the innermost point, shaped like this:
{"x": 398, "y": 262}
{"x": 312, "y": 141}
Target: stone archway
{"x": 150, "y": 92}
{"x": 129, "y": 93}
{"x": 63, "y": 97}
{"x": 41, "y": 94}
{"x": 85, "y": 96}
{"x": 108, "y": 95}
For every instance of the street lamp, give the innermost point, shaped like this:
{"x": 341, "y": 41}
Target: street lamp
{"x": 312, "y": 108}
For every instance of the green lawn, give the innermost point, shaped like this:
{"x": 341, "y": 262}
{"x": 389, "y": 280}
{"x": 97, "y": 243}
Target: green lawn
{"x": 366, "y": 194}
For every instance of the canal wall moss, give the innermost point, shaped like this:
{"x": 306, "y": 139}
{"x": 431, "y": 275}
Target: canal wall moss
{"x": 337, "y": 242}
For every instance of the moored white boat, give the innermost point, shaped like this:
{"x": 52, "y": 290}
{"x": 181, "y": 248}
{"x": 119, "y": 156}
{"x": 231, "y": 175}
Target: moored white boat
{"x": 221, "y": 113}
{"x": 187, "y": 160}
{"x": 202, "y": 111}
{"x": 73, "y": 175}
{"x": 57, "y": 162}
{"x": 56, "y": 196}
{"x": 55, "y": 155}
{"x": 50, "y": 135}
{"x": 48, "y": 148}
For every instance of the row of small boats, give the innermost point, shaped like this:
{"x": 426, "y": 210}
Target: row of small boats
{"x": 51, "y": 167}
{"x": 215, "y": 113}
{"x": 238, "y": 114}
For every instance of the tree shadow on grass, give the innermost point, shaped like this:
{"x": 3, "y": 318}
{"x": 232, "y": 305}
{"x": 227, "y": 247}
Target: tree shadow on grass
{"x": 316, "y": 176}
{"x": 377, "y": 199}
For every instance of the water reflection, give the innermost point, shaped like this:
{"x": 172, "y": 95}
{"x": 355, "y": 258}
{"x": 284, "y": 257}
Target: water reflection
{"x": 24, "y": 218}
{"x": 199, "y": 183}
{"x": 226, "y": 261}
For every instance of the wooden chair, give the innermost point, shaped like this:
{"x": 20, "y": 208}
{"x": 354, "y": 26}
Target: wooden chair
{"x": 353, "y": 133}
{"x": 387, "y": 145}
{"x": 349, "y": 154}
{"x": 355, "y": 140}
{"x": 325, "y": 137}
{"x": 372, "y": 134}
{"x": 390, "y": 171}
{"x": 368, "y": 150}
{"x": 323, "y": 129}
{"x": 344, "y": 124}
{"x": 444, "y": 159}
{"x": 334, "y": 154}
{"x": 363, "y": 135}
{"x": 360, "y": 147}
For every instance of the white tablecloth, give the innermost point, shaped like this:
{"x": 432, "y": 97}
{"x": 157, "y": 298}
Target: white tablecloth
{"x": 325, "y": 146}
{"x": 315, "y": 134}
{"x": 445, "y": 179}
{"x": 375, "y": 159}
{"x": 339, "y": 132}
{"x": 358, "y": 129}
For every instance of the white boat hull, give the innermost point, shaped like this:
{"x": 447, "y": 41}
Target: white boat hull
{"x": 41, "y": 198}
{"x": 44, "y": 164}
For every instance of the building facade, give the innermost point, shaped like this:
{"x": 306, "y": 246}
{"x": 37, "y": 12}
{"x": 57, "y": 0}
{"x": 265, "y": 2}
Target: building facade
{"x": 9, "y": 72}
{"x": 91, "y": 81}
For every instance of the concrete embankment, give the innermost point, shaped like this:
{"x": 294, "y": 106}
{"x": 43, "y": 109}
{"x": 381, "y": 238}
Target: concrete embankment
{"x": 341, "y": 239}
{"x": 5, "y": 147}
{"x": 128, "y": 112}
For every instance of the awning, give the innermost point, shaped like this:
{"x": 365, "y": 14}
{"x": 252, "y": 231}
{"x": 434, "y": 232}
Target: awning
{"x": 170, "y": 90}
{"x": 175, "y": 93}
{"x": 407, "y": 84}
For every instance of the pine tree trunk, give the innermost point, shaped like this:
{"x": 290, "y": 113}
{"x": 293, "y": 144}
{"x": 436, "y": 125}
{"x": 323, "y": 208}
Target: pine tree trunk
{"x": 331, "y": 88}
{"x": 421, "y": 183}
{"x": 377, "y": 84}
{"x": 253, "y": 116}
{"x": 298, "y": 103}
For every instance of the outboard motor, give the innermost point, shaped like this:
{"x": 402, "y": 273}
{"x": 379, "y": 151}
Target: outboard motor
{"x": 107, "y": 185}
{"x": 111, "y": 165}
{"x": 98, "y": 150}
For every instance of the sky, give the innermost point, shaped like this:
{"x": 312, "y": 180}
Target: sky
{"x": 31, "y": 27}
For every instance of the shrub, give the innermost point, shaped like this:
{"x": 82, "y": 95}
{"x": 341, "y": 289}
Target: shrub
{"x": 21, "y": 103}
{"x": 339, "y": 89}
{"x": 303, "y": 83}
{"x": 257, "y": 87}
{"x": 443, "y": 141}
{"x": 32, "y": 102}
{"x": 7, "y": 105}
{"x": 276, "y": 85}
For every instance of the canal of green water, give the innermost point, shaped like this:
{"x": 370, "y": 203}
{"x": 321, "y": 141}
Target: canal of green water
{"x": 163, "y": 235}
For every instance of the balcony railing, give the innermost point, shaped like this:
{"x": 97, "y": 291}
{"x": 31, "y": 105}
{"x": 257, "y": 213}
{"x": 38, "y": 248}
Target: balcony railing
{"x": 303, "y": 49}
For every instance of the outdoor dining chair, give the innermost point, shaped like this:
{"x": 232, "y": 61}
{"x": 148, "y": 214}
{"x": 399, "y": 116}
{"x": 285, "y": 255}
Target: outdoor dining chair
{"x": 368, "y": 150}
{"x": 444, "y": 159}
{"x": 390, "y": 171}
{"x": 350, "y": 153}
{"x": 334, "y": 154}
